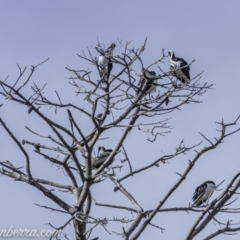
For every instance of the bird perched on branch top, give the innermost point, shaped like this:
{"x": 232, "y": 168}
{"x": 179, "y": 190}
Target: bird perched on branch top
{"x": 105, "y": 63}
{"x": 179, "y": 67}
{"x": 149, "y": 78}
{"x": 102, "y": 157}
{"x": 203, "y": 193}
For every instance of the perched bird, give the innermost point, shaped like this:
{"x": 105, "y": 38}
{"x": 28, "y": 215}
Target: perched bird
{"x": 179, "y": 67}
{"x": 203, "y": 193}
{"x": 150, "y": 78}
{"x": 100, "y": 159}
{"x": 105, "y": 63}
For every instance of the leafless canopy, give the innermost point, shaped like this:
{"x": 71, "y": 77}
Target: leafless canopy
{"x": 111, "y": 106}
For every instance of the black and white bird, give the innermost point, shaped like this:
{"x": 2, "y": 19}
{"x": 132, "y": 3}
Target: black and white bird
{"x": 105, "y": 63}
{"x": 149, "y": 78}
{"x": 203, "y": 193}
{"x": 180, "y": 68}
{"x": 102, "y": 157}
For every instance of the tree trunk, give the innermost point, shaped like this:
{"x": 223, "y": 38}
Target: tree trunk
{"x": 79, "y": 228}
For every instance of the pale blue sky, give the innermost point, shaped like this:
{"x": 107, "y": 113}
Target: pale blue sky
{"x": 207, "y": 31}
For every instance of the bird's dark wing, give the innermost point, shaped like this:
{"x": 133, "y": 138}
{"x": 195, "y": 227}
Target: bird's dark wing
{"x": 110, "y": 66}
{"x": 108, "y": 151}
{"x": 149, "y": 76}
{"x": 100, "y": 159}
{"x": 186, "y": 72}
{"x": 185, "y": 69}
{"x": 148, "y": 87}
{"x": 184, "y": 63}
{"x": 199, "y": 191}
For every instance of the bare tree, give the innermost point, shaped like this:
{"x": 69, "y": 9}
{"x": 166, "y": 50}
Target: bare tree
{"x": 127, "y": 108}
